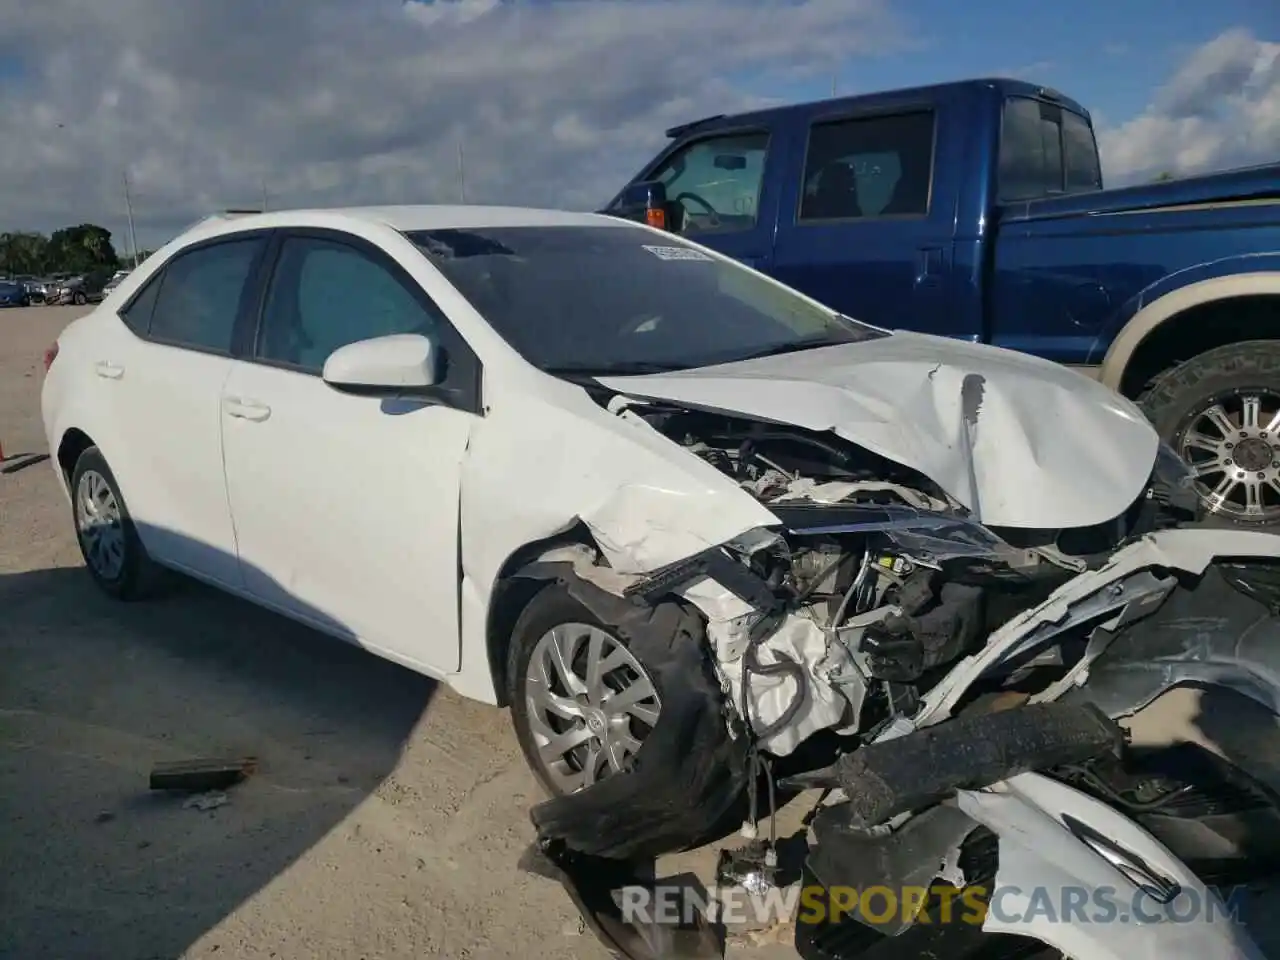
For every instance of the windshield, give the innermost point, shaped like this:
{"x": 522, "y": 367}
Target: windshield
{"x": 620, "y": 299}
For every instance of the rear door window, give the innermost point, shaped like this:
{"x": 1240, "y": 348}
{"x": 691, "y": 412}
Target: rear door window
{"x": 199, "y": 297}
{"x": 716, "y": 182}
{"x": 868, "y": 167}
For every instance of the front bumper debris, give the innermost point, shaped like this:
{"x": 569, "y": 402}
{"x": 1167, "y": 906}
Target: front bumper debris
{"x": 599, "y": 887}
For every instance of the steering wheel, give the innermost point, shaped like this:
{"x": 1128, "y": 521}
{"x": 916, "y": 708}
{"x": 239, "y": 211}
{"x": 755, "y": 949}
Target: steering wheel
{"x": 712, "y": 214}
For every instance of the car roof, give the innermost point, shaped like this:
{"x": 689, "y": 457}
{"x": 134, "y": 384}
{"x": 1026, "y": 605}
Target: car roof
{"x": 405, "y": 218}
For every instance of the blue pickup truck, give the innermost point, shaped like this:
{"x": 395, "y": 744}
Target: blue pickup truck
{"x": 977, "y": 210}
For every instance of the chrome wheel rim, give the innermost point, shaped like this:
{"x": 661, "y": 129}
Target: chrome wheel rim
{"x": 98, "y": 522}
{"x": 1233, "y": 447}
{"x": 590, "y": 705}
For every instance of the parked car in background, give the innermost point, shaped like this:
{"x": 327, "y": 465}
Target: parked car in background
{"x": 79, "y": 289}
{"x": 114, "y": 282}
{"x": 13, "y": 294}
{"x": 976, "y": 210}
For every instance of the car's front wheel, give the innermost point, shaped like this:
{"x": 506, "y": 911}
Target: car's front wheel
{"x": 622, "y": 719}
{"x": 80, "y": 299}
{"x": 582, "y": 702}
{"x": 109, "y": 542}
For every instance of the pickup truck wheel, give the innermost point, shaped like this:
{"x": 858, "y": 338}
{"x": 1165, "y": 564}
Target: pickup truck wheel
{"x": 1221, "y": 412}
{"x": 80, "y": 299}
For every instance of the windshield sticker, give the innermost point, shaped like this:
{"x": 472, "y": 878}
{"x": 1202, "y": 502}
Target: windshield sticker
{"x": 678, "y": 253}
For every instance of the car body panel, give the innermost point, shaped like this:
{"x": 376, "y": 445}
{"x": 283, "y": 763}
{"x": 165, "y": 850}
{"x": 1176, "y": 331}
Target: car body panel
{"x": 326, "y": 484}
{"x": 985, "y": 425}
{"x": 1050, "y": 859}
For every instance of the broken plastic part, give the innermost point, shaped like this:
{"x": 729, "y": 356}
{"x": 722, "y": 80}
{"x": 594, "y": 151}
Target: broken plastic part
{"x": 884, "y": 779}
{"x": 596, "y": 885}
{"x": 200, "y": 775}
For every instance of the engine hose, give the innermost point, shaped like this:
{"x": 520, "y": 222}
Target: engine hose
{"x": 751, "y": 664}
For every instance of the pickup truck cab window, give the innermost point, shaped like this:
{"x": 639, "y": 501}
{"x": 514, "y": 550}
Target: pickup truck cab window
{"x": 716, "y": 182}
{"x": 869, "y": 167}
{"x": 1030, "y": 150}
{"x": 1079, "y": 154}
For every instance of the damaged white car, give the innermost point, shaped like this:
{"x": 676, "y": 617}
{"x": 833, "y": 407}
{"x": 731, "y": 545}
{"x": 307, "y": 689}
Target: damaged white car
{"x": 685, "y": 521}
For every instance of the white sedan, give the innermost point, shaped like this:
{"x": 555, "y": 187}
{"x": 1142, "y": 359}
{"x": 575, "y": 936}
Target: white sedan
{"x": 578, "y": 466}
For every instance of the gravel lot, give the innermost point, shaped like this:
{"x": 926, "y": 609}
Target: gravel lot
{"x": 387, "y": 815}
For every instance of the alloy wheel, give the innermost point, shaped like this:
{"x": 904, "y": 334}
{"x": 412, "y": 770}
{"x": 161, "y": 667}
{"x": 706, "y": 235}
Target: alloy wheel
{"x": 1233, "y": 445}
{"x": 590, "y": 705}
{"x": 99, "y": 523}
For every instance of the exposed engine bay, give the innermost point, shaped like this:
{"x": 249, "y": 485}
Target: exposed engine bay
{"x": 950, "y": 683}
{"x": 877, "y": 581}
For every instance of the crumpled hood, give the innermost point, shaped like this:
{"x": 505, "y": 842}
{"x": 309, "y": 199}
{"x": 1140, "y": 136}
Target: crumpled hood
{"x": 1020, "y": 441}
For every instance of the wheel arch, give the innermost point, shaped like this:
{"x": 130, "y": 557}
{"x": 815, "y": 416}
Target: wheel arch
{"x": 518, "y": 581}
{"x": 1143, "y": 346}
{"x": 74, "y": 442}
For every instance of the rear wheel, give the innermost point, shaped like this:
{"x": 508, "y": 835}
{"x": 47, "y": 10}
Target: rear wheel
{"x": 1221, "y": 412}
{"x": 109, "y": 542}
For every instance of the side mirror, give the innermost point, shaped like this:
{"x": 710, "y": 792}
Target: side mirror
{"x": 395, "y": 364}
{"x": 645, "y": 201}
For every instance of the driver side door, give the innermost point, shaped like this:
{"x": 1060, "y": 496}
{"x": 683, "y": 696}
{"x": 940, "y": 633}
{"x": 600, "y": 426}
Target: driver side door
{"x": 723, "y": 183}
{"x": 346, "y": 507}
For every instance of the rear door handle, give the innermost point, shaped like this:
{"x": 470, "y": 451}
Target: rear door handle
{"x": 108, "y": 371}
{"x": 245, "y": 409}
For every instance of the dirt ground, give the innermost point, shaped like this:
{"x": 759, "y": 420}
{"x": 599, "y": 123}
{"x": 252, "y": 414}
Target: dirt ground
{"x": 387, "y": 815}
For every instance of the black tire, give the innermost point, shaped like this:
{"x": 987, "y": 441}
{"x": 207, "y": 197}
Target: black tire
{"x": 139, "y": 576}
{"x": 1176, "y": 399}
{"x": 550, "y": 607}
{"x": 689, "y": 774}
{"x": 80, "y": 299}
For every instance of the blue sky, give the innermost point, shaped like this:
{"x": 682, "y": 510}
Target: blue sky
{"x": 1111, "y": 55}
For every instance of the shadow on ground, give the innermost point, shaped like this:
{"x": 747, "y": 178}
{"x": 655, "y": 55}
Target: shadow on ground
{"x": 93, "y": 692}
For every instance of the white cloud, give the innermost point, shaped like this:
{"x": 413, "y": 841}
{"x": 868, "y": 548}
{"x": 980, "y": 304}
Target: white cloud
{"x": 352, "y": 101}
{"x": 1220, "y": 109}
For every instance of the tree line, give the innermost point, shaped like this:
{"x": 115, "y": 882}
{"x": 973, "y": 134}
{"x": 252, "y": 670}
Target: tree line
{"x": 83, "y": 248}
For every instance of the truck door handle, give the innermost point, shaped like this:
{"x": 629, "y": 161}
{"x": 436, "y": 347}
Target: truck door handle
{"x": 108, "y": 371}
{"x": 245, "y": 409}
{"x": 928, "y": 264}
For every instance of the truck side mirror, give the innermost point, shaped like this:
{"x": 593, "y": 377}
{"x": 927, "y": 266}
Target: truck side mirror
{"x": 645, "y": 201}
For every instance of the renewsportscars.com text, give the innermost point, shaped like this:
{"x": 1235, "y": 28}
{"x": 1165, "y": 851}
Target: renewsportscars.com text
{"x": 942, "y": 904}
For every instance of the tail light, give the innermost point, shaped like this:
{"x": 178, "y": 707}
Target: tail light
{"x": 656, "y": 218}
{"x": 50, "y": 355}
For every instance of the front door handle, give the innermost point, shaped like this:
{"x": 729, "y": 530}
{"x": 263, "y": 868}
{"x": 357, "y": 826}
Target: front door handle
{"x": 245, "y": 409}
{"x": 108, "y": 371}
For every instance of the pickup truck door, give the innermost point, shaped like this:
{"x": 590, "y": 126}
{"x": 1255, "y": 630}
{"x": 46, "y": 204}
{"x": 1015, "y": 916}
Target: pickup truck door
{"x": 724, "y": 187}
{"x": 861, "y": 227}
